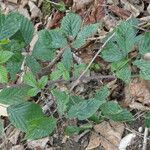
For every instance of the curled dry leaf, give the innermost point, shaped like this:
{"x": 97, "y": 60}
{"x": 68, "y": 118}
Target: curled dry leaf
{"x": 110, "y": 134}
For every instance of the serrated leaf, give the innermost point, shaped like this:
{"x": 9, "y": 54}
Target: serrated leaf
{"x": 60, "y": 71}
{"x": 121, "y": 70}
{"x": 42, "y": 82}
{"x": 40, "y": 127}
{"x": 30, "y": 79}
{"x": 58, "y": 39}
{"x": 33, "y": 92}
{"x": 144, "y": 68}
{"x": 3, "y": 75}
{"x": 111, "y": 53}
{"x": 5, "y": 56}
{"x": 61, "y": 99}
{"x": 102, "y": 94}
{"x": 84, "y": 109}
{"x": 26, "y": 29}
{"x": 122, "y": 43}
{"x": 144, "y": 44}
{"x": 14, "y": 95}
{"x": 42, "y": 49}
{"x": 71, "y": 24}
{"x": 112, "y": 110}
{"x": 13, "y": 68}
{"x": 22, "y": 113}
{"x": 124, "y": 74}
{"x": 32, "y": 63}
{"x": 9, "y": 26}
{"x": 86, "y": 32}
{"x": 67, "y": 59}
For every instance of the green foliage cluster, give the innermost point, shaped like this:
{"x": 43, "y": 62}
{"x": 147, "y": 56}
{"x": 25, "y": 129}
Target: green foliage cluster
{"x": 16, "y": 32}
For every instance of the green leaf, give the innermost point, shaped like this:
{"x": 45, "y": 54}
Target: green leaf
{"x": 112, "y": 53}
{"x": 124, "y": 74}
{"x": 144, "y": 67}
{"x": 84, "y": 109}
{"x": 30, "y": 79}
{"x": 22, "y": 113}
{"x": 122, "y": 43}
{"x": 14, "y": 95}
{"x": 32, "y": 63}
{"x": 5, "y": 56}
{"x": 3, "y": 75}
{"x": 78, "y": 69}
{"x": 147, "y": 120}
{"x": 102, "y": 94}
{"x": 70, "y": 130}
{"x": 42, "y": 82}
{"x": 60, "y": 71}
{"x": 58, "y": 39}
{"x": 61, "y": 99}
{"x": 26, "y": 29}
{"x": 112, "y": 110}
{"x": 86, "y": 32}
{"x": 144, "y": 44}
{"x": 42, "y": 49}
{"x": 40, "y": 127}
{"x": 71, "y": 24}
{"x": 9, "y": 26}
{"x": 33, "y": 92}
{"x": 13, "y": 68}
{"x": 67, "y": 59}
{"x": 121, "y": 70}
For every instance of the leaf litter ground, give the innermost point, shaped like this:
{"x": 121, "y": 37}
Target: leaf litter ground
{"x": 92, "y": 11}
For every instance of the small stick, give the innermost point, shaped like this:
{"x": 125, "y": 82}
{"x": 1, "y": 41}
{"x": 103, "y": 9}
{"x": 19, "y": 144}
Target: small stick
{"x": 78, "y": 80}
{"x": 145, "y": 139}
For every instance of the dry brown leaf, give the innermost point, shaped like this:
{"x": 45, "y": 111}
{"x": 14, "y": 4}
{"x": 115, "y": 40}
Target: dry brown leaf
{"x": 137, "y": 91}
{"x": 133, "y": 8}
{"x": 41, "y": 143}
{"x": 79, "y": 4}
{"x": 94, "y": 141}
{"x": 35, "y": 11}
{"x": 110, "y": 134}
{"x": 124, "y": 14}
{"x": 17, "y": 147}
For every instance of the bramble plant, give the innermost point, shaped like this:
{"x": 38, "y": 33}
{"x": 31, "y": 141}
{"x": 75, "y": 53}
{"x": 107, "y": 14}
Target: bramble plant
{"x": 16, "y": 33}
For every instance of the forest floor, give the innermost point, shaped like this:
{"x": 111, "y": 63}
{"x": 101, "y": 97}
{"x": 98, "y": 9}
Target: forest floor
{"x": 108, "y": 134}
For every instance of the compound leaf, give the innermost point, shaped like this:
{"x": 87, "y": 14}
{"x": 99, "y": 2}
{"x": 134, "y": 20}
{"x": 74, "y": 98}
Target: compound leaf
{"x": 71, "y": 24}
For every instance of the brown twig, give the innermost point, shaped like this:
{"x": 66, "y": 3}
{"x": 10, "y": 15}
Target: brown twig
{"x": 78, "y": 80}
{"x": 47, "y": 69}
